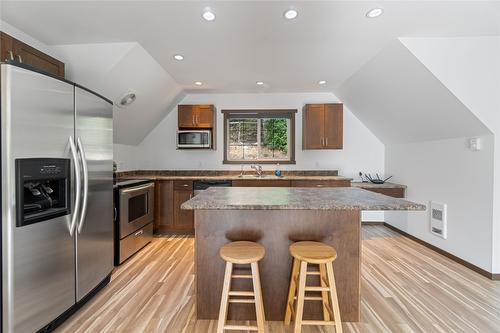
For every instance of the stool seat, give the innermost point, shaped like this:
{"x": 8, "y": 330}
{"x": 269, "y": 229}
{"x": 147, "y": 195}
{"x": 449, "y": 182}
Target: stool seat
{"x": 242, "y": 252}
{"x": 313, "y": 252}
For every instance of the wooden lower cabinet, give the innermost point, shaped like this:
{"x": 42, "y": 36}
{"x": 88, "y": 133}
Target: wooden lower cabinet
{"x": 261, "y": 183}
{"x": 183, "y": 219}
{"x": 321, "y": 183}
{"x": 392, "y": 192}
{"x": 169, "y": 217}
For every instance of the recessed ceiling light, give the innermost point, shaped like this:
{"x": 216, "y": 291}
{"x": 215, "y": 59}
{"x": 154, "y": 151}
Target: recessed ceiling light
{"x": 126, "y": 99}
{"x": 322, "y": 82}
{"x": 208, "y": 15}
{"x": 259, "y": 83}
{"x": 178, "y": 57}
{"x": 290, "y": 14}
{"x": 198, "y": 83}
{"x": 375, "y": 12}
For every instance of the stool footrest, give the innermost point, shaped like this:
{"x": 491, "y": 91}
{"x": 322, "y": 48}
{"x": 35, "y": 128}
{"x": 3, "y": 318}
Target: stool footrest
{"x": 241, "y": 300}
{"x": 242, "y": 293}
{"x": 313, "y": 273}
{"x": 311, "y": 298}
{"x": 314, "y": 288}
{"x": 241, "y": 276}
{"x": 317, "y": 322}
{"x": 240, "y": 328}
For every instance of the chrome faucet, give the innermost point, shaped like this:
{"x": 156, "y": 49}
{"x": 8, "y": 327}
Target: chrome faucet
{"x": 258, "y": 169}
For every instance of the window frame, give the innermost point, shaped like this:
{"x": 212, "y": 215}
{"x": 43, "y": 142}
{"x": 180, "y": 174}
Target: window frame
{"x": 260, "y": 113}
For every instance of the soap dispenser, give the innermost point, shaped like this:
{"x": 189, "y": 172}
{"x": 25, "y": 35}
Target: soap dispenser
{"x": 277, "y": 172}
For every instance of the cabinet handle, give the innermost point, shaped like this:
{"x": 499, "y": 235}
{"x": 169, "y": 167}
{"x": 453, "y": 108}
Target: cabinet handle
{"x": 138, "y": 233}
{"x": 322, "y": 141}
{"x": 192, "y": 120}
{"x": 11, "y": 55}
{"x": 326, "y": 141}
{"x": 20, "y": 59}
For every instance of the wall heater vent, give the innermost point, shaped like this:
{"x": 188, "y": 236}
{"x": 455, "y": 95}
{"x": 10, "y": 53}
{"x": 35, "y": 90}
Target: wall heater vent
{"x": 439, "y": 219}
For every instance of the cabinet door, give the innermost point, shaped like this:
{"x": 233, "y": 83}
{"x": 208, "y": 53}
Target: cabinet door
{"x": 186, "y": 116}
{"x": 164, "y": 206}
{"x": 334, "y": 124}
{"x": 6, "y": 47}
{"x": 261, "y": 183}
{"x": 313, "y": 129}
{"x": 183, "y": 219}
{"x": 31, "y": 56}
{"x": 392, "y": 192}
{"x": 204, "y": 117}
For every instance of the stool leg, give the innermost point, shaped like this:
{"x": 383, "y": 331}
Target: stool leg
{"x": 224, "y": 301}
{"x": 291, "y": 291}
{"x": 299, "y": 309}
{"x": 259, "y": 305}
{"x": 334, "y": 298}
{"x": 324, "y": 294}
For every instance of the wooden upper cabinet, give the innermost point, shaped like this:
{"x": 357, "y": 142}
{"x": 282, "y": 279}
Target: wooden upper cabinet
{"x": 334, "y": 126}
{"x": 15, "y": 50}
{"x": 6, "y": 47}
{"x": 205, "y": 116}
{"x": 196, "y": 116}
{"x": 322, "y": 126}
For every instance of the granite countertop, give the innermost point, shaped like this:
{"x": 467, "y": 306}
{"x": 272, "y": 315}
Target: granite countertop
{"x": 236, "y": 177}
{"x": 371, "y": 185}
{"x": 267, "y": 198}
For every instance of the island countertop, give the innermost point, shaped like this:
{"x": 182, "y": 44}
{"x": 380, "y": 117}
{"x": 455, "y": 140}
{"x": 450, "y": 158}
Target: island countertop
{"x": 295, "y": 198}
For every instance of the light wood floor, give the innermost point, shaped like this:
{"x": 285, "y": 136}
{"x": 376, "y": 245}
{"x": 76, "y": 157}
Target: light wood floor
{"x": 405, "y": 288}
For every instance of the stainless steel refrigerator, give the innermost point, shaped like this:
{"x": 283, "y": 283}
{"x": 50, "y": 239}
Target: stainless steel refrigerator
{"x": 57, "y": 188}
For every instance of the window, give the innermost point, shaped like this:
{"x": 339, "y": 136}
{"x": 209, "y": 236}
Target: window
{"x": 259, "y": 136}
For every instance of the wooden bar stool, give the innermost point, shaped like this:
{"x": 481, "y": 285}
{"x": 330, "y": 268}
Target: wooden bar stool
{"x": 242, "y": 253}
{"x": 305, "y": 253}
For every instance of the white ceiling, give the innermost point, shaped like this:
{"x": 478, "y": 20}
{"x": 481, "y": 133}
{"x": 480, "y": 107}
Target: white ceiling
{"x": 250, "y": 40}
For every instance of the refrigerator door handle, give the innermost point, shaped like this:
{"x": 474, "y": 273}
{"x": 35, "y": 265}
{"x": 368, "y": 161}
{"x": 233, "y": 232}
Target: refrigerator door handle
{"x": 78, "y": 186}
{"x": 83, "y": 212}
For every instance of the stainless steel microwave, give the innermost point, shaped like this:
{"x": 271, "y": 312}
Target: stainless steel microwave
{"x": 194, "y": 139}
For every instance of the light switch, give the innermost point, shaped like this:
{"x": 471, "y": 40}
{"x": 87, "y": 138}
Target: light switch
{"x": 475, "y": 144}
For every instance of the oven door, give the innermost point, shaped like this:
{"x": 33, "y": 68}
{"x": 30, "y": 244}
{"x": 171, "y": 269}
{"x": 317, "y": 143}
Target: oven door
{"x": 136, "y": 208}
{"x": 194, "y": 139}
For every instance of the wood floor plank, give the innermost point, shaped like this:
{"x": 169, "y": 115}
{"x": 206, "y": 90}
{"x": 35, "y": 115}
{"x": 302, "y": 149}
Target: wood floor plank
{"x": 406, "y": 288}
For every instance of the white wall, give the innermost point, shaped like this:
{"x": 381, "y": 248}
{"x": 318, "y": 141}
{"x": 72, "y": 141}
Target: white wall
{"x": 448, "y": 171}
{"x": 470, "y": 68}
{"x": 362, "y": 150}
{"x": 125, "y": 157}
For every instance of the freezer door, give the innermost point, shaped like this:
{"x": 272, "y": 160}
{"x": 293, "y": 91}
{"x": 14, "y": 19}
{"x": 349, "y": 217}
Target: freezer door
{"x": 38, "y": 268}
{"x": 94, "y": 132}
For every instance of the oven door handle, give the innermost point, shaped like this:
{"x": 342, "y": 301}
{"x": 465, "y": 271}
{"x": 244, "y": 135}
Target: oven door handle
{"x": 83, "y": 158}
{"x": 78, "y": 186}
{"x": 137, "y": 188}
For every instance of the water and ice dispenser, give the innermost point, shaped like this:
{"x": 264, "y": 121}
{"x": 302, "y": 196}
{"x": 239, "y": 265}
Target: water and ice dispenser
{"x": 42, "y": 189}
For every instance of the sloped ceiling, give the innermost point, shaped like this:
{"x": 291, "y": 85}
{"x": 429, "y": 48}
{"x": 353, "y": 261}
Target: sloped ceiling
{"x": 401, "y": 101}
{"x": 113, "y": 69}
{"x": 469, "y": 67}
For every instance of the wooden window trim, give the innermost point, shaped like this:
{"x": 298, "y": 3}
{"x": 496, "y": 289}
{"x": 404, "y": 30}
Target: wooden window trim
{"x": 260, "y": 113}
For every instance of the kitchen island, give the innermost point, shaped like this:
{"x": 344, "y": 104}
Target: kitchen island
{"x": 275, "y": 218}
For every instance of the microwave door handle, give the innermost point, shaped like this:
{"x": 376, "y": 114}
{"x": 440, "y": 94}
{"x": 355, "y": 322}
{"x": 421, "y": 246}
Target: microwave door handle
{"x": 77, "y": 186}
{"x": 83, "y": 212}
